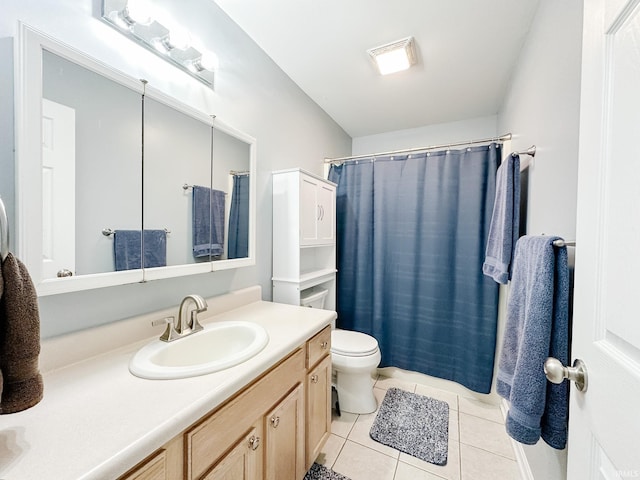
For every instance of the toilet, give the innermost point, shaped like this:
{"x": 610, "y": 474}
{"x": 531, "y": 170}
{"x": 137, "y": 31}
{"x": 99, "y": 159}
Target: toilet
{"x": 355, "y": 356}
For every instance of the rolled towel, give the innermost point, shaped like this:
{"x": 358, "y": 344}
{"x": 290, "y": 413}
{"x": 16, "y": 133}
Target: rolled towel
{"x": 504, "y": 229}
{"x": 22, "y": 385}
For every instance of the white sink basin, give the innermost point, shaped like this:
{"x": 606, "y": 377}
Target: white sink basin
{"x": 220, "y": 345}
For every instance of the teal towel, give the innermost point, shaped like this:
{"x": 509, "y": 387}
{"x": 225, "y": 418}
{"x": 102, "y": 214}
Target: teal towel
{"x": 537, "y": 327}
{"x": 505, "y": 222}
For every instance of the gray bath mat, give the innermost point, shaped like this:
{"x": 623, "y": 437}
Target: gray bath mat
{"x": 413, "y": 424}
{"x": 320, "y": 472}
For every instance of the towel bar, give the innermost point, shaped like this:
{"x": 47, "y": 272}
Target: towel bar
{"x": 562, "y": 243}
{"x": 186, "y": 186}
{"x": 108, "y": 232}
{"x": 529, "y": 151}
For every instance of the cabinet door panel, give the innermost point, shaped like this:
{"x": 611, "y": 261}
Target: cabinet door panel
{"x": 284, "y": 437}
{"x": 318, "y": 409}
{"x": 309, "y": 210}
{"x": 326, "y": 206}
{"x": 243, "y": 462}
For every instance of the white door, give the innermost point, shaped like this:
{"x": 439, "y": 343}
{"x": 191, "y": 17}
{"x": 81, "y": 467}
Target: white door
{"x": 58, "y": 188}
{"x": 604, "y": 423}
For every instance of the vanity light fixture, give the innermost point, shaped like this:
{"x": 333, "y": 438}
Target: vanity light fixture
{"x": 135, "y": 20}
{"x": 395, "y": 56}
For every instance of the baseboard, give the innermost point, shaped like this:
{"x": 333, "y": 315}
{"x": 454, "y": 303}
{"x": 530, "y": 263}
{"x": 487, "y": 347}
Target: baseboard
{"x": 521, "y": 458}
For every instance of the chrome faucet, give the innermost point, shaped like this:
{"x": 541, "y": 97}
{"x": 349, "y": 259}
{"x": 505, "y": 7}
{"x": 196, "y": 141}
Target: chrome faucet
{"x": 183, "y": 327}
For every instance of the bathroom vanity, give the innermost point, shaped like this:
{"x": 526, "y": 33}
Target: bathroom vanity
{"x": 265, "y": 418}
{"x": 273, "y": 429}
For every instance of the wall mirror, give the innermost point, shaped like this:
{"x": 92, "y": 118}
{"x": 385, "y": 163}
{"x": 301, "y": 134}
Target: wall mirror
{"x": 108, "y": 196}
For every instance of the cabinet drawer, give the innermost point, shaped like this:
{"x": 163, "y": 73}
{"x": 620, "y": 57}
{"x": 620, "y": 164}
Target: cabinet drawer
{"x": 318, "y": 346}
{"x": 210, "y": 439}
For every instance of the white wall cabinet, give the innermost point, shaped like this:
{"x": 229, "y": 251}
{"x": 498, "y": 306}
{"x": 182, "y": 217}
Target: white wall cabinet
{"x": 317, "y": 211}
{"x": 304, "y": 237}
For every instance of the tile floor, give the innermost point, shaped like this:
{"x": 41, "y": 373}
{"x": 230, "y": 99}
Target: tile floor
{"x": 479, "y": 448}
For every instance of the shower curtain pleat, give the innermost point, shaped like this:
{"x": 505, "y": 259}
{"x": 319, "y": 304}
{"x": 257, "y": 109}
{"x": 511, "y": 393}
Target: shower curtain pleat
{"x": 411, "y": 238}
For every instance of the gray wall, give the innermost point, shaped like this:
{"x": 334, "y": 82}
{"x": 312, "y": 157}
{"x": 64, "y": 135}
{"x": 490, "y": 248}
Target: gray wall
{"x": 439, "y": 134}
{"x": 252, "y": 94}
{"x": 542, "y": 108}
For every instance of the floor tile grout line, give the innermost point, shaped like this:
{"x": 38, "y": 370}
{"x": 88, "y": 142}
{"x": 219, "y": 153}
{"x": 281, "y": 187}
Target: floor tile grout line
{"x": 487, "y": 451}
{"x": 483, "y": 418}
{"x": 338, "y": 455}
{"x": 374, "y": 450}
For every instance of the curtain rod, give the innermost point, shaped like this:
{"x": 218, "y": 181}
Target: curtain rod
{"x": 501, "y": 138}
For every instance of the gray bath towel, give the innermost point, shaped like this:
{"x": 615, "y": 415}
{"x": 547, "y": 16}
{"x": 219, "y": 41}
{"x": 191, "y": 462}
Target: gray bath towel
{"x": 505, "y": 222}
{"x": 208, "y": 222}
{"x": 537, "y": 327}
{"x": 22, "y": 385}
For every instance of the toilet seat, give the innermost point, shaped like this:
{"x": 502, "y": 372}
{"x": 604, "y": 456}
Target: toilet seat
{"x": 352, "y": 344}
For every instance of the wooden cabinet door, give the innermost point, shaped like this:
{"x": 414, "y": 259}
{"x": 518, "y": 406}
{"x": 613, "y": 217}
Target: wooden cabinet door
{"x": 318, "y": 409}
{"x": 244, "y": 460}
{"x": 284, "y": 438}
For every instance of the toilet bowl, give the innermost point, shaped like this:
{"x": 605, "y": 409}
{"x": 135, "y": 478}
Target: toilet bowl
{"x": 354, "y": 357}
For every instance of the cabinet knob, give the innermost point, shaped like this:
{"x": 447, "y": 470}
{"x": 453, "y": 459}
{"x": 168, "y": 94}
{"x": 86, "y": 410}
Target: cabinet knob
{"x": 64, "y": 273}
{"x": 324, "y": 345}
{"x": 254, "y": 442}
{"x": 314, "y": 378}
{"x": 275, "y": 421}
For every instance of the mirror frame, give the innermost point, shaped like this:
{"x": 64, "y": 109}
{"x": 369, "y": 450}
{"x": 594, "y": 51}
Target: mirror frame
{"x": 28, "y": 115}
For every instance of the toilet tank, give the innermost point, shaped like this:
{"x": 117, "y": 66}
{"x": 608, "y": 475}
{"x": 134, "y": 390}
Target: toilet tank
{"x": 313, "y": 297}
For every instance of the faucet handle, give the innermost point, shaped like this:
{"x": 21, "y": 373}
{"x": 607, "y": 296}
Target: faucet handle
{"x": 170, "y": 332}
{"x": 163, "y": 321}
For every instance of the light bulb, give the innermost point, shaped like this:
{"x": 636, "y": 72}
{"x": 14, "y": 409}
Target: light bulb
{"x": 139, "y": 11}
{"x": 209, "y": 61}
{"x": 179, "y": 38}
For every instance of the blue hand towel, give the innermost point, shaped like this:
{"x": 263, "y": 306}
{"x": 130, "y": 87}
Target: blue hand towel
{"x": 155, "y": 248}
{"x": 505, "y": 221}
{"x": 208, "y": 222}
{"x": 537, "y": 327}
{"x": 127, "y": 248}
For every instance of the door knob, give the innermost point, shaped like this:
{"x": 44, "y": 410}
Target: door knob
{"x": 556, "y": 372}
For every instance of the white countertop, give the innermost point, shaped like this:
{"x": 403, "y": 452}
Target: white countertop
{"x": 97, "y": 420}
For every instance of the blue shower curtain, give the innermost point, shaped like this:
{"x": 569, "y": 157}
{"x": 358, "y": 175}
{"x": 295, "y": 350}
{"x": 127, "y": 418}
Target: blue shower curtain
{"x": 411, "y": 240}
{"x": 239, "y": 218}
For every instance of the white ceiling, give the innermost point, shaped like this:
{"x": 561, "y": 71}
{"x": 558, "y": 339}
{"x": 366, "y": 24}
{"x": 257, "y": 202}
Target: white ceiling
{"x": 466, "y": 50}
